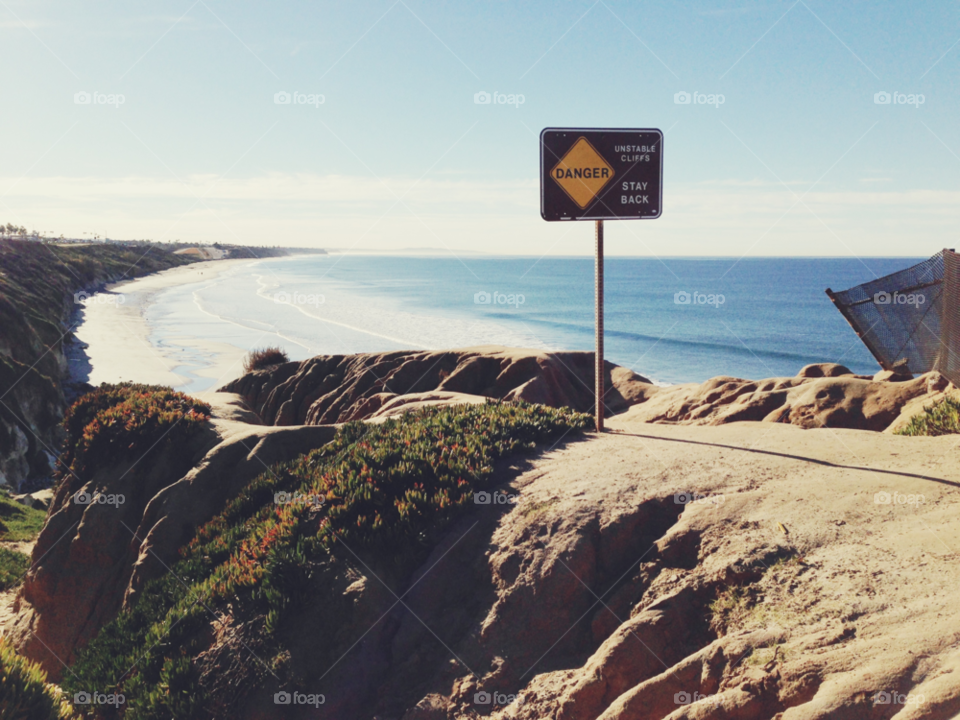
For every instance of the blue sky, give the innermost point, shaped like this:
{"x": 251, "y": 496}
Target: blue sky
{"x": 798, "y": 159}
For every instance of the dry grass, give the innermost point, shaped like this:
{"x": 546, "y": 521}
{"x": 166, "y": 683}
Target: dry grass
{"x": 730, "y": 610}
{"x": 260, "y": 358}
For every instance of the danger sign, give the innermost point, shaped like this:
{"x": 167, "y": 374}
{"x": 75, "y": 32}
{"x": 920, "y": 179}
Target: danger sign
{"x": 582, "y": 172}
{"x": 600, "y": 174}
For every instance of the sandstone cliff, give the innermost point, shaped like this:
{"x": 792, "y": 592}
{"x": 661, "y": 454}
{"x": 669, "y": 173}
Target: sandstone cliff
{"x": 37, "y": 286}
{"x": 668, "y": 568}
{"x": 743, "y": 571}
{"x": 90, "y": 560}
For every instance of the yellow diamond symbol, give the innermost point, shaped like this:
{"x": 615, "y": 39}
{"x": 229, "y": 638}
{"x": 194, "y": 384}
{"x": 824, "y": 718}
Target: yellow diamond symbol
{"x": 582, "y": 172}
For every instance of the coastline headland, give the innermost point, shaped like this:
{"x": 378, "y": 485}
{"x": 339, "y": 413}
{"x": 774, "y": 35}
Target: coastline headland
{"x": 431, "y": 535}
{"x": 752, "y": 559}
{"x": 42, "y": 287}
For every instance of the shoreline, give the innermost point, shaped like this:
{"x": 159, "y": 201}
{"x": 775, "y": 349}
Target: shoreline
{"x": 112, "y": 335}
{"x": 190, "y": 327}
{"x": 137, "y": 331}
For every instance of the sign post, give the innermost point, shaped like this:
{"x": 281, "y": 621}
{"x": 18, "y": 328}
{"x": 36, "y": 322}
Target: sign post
{"x": 600, "y": 174}
{"x": 598, "y": 326}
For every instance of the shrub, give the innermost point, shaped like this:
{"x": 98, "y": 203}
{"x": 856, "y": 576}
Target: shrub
{"x": 125, "y": 422}
{"x": 388, "y": 487}
{"x": 24, "y": 692}
{"x": 260, "y": 358}
{"x": 13, "y": 566}
{"x": 942, "y": 418}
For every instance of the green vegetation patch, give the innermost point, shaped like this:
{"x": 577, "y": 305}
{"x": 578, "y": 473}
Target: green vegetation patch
{"x": 24, "y": 691}
{"x": 19, "y": 523}
{"x": 942, "y": 418}
{"x": 386, "y": 487}
{"x": 13, "y": 566}
{"x": 124, "y": 422}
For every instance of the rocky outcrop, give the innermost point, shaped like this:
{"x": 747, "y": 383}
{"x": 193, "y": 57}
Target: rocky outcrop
{"x": 92, "y": 559}
{"x": 819, "y": 396}
{"x": 654, "y": 571}
{"x": 339, "y": 388}
{"x": 39, "y": 500}
{"x": 85, "y": 552}
{"x": 660, "y": 572}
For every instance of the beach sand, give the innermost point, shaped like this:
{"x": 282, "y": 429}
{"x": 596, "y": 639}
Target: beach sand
{"x": 118, "y": 340}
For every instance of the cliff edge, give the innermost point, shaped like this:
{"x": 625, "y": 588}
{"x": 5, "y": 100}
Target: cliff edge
{"x": 38, "y": 282}
{"x": 338, "y": 388}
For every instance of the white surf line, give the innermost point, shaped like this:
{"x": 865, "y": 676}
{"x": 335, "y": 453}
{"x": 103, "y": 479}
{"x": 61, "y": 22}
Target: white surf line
{"x": 168, "y": 351}
{"x": 155, "y": 349}
{"x": 340, "y": 324}
{"x": 166, "y": 348}
{"x": 196, "y": 302}
{"x": 487, "y": 326}
{"x": 199, "y": 358}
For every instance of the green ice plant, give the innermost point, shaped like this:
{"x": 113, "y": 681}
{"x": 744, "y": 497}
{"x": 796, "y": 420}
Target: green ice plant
{"x": 384, "y": 488}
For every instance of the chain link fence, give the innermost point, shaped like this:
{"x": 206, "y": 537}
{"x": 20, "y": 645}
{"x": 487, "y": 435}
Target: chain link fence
{"x": 910, "y": 320}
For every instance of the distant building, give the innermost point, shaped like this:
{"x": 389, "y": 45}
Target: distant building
{"x": 207, "y": 252}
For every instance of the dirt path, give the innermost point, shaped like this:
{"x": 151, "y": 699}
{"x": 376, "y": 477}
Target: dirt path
{"x": 814, "y": 575}
{"x": 7, "y": 597}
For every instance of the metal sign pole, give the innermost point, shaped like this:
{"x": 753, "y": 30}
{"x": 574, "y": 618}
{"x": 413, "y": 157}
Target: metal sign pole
{"x": 598, "y": 357}
{"x": 583, "y": 173}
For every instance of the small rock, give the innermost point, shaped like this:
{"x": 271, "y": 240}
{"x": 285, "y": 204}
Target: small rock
{"x": 819, "y": 370}
{"x": 39, "y": 500}
{"x": 936, "y": 382}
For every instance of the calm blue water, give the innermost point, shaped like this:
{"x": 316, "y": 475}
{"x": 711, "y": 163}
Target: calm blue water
{"x": 773, "y": 317}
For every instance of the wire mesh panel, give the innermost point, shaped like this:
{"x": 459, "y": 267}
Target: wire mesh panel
{"x": 948, "y": 361}
{"x": 910, "y": 319}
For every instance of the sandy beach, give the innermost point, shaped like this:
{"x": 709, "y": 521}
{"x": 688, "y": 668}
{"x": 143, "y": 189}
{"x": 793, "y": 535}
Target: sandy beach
{"x": 190, "y": 327}
{"x": 118, "y": 339}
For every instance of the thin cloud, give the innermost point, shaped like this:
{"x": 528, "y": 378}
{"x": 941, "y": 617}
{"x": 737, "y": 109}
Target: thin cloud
{"x": 23, "y": 25}
{"x": 281, "y": 187}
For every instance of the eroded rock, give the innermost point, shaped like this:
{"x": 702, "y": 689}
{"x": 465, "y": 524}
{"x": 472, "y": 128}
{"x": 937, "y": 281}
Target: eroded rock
{"x": 92, "y": 559}
{"x": 330, "y": 389}
{"x": 338, "y": 388}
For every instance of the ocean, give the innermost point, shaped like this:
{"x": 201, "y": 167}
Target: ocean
{"x": 672, "y": 320}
